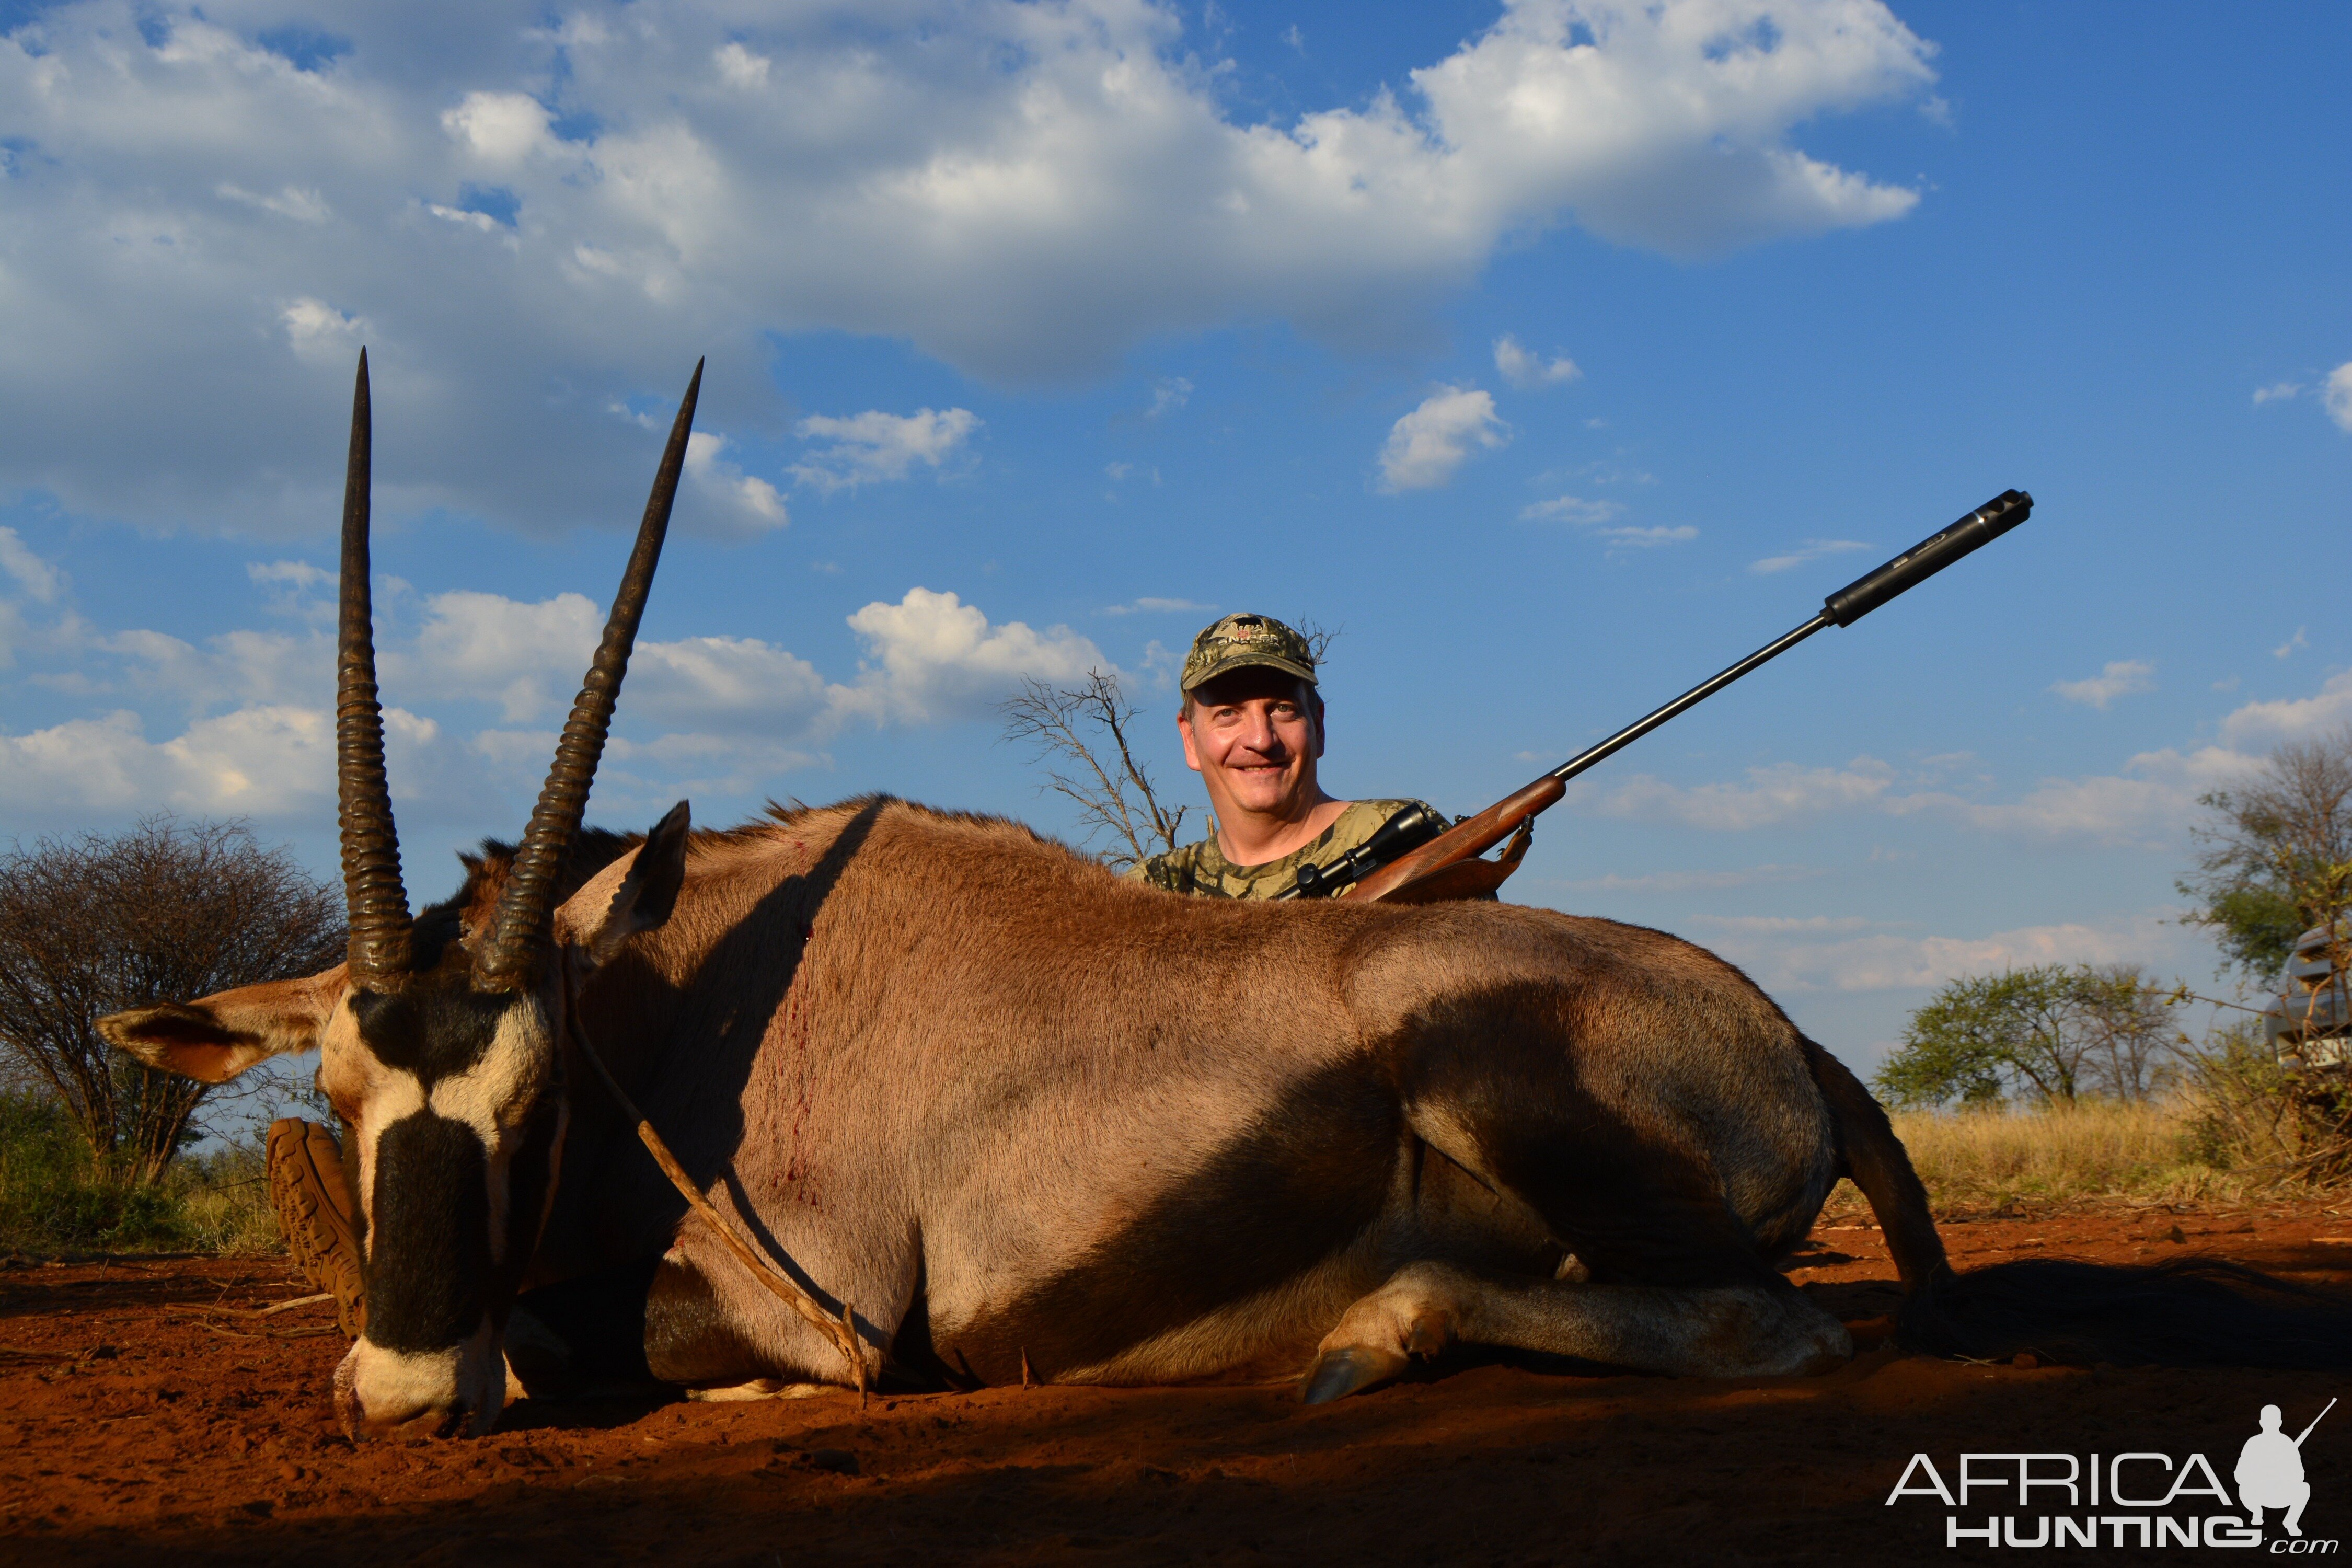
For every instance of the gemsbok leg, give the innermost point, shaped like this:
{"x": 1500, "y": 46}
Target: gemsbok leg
{"x": 1724, "y": 1330}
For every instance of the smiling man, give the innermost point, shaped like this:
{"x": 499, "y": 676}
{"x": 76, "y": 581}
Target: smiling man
{"x": 1253, "y": 729}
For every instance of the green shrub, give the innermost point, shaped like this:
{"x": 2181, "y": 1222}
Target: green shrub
{"x": 54, "y": 1197}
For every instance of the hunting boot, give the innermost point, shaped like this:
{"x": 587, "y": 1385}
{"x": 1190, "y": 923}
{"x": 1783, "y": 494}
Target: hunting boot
{"x": 315, "y": 1210}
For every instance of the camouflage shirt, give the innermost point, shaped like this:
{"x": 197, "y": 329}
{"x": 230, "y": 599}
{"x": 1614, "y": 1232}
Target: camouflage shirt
{"x": 1202, "y": 869}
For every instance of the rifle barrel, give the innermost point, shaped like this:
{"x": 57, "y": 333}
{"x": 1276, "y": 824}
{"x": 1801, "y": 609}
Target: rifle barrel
{"x": 2315, "y": 1421}
{"x": 1842, "y": 608}
{"x": 1699, "y": 693}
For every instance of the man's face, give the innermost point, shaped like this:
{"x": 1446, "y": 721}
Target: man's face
{"x": 1253, "y": 737}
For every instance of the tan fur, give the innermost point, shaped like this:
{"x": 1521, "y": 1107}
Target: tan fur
{"x": 944, "y": 1047}
{"x": 970, "y": 1085}
{"x": 218, "y": 1037}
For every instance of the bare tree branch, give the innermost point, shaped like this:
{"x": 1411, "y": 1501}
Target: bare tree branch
{"x": 1319, "y": 638}
{"x": 1085, "y": 730}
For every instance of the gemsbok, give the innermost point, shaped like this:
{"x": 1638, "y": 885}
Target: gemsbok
{"x": 1005, "y": 1115}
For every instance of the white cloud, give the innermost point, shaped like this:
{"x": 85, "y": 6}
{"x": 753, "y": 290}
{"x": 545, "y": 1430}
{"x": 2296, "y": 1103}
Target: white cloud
{"x": 932, "y": 658}
{"x": 2277, "y": 392}
{"x": 321, "y": 335}
{"x": 873, "y": 445}
{"x": 302, "y": 205}
{"x": 1427, "y": 446}
{"x": 1171, "y": 395}
{"x": 264, "y": 760}
{"x": 2291, "y": 718}
{"x": 501, "y": 128}
{"x": 2121, "y": 678}
{"x": 481, "y": 223}
{"x": 1024, "y": 191}
{"x": 739, "y": 68}
{"x": 1162, "y": 664}
{"x": 1525, "y": 370}
{"x": 1149, "y": 606}
{"x": 2340, "y": 394}
{"x": 727, "y": 685}
{"x": 1856, "y": 954}
{"x": 1694, "y": 881}
{"x": 526, "y": 658}
{"x": 1588, "y": 514}
{"x": 717, "y": 712}
{"x": 1571, "y": 509}
{"x": 39, "y": 579}
{"x": 1778, "y": 793}
{"x": 1646, "y": 538}
{"x": 1811, "y": 550}
{"x": 2149, "y": 803}
{"x": 2289, "y": 647}
{"x": 750, "y": 503}
{"x": 233, "y": 668}
{"x": 296, "y": 588}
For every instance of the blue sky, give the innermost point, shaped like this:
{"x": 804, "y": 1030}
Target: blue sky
{"x": 1556, "y": 354}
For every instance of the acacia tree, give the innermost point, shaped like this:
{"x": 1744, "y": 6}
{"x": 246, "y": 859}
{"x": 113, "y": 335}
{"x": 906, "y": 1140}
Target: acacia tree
{"x": 2274, "y": 859}
{"x": 2048, "y": 1033}
{"x": 92, "y": 924}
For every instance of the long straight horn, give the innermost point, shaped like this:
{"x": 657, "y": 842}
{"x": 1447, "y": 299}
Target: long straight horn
{"x": 376, "y": 903}
{"x": 519, "y": 934}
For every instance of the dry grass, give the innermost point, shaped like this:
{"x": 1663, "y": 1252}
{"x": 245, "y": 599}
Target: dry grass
{"x": 225, "y": 1207}
{"x": 1979, "y": 1160}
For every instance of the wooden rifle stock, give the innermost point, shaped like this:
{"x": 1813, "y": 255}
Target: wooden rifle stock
{"x": 1465, "y": 841}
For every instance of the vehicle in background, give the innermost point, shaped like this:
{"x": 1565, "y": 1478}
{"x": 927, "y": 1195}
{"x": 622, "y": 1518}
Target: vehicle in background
{"x": 2310, "y": 1023}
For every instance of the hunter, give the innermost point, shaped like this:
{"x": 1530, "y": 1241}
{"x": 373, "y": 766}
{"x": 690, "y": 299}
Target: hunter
{"x": 1252, "y": 724}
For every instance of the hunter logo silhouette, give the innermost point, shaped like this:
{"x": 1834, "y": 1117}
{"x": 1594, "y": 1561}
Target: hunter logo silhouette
{"x": 2269, "y": 1471}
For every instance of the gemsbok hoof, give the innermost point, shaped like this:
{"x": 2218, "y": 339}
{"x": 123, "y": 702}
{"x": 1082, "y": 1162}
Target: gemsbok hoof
{"x": 1341, "y": 1372}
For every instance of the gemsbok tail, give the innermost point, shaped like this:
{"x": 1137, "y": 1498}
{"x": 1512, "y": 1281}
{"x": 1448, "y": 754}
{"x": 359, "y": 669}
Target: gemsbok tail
{"x": 2186, "y": 1311}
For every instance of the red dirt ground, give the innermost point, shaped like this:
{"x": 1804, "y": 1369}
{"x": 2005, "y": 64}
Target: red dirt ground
{"x": 146, "y": 1415}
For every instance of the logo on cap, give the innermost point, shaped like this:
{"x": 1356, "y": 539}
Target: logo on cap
{"x": 1242, "y": 640}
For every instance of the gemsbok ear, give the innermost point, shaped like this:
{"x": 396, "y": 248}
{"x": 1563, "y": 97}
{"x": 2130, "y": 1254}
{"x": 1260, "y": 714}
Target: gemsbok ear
{"x": 219, "y": 1037}
{"x": 647, "y": 893}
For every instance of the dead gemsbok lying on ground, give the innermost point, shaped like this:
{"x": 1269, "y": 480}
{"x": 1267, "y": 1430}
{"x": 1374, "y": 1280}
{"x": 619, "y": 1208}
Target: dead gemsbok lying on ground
{"x": 1021, "y": 1118}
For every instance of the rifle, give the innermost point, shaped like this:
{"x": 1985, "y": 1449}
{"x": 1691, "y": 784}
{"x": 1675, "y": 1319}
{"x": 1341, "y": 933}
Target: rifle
{"x": 2315, "y": 1421}
{"x": 1415, "y": 864}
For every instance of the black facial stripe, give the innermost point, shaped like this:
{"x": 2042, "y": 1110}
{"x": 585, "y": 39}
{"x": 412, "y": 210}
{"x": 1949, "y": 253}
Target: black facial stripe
{"x": 430, "y": 1256}
{"x": 433, "y": 1030}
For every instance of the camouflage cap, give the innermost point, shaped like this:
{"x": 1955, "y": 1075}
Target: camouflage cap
{"x": 1242, "y": 640}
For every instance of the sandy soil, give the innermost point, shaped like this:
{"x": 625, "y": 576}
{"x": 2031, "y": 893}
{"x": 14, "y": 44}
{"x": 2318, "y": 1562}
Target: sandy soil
{"x": 144, "y": 1409}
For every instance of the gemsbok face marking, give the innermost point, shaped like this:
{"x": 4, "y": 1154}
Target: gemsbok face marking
{"x": 443, "y": 1042}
